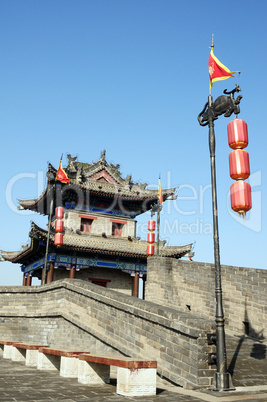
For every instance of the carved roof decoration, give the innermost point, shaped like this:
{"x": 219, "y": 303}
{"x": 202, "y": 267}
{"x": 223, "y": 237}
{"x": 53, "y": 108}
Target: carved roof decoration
{"x": 89, "y": 243}
{"x": 100, "y": 179}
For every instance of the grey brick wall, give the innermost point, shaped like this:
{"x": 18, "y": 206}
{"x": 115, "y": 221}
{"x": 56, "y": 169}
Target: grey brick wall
{"x": 82, "y": 315}
{"x": 119, "y": 281}
{"x": 190, "y": 287}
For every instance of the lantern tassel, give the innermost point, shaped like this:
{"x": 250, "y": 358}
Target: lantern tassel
{"x": 242, "y": 215}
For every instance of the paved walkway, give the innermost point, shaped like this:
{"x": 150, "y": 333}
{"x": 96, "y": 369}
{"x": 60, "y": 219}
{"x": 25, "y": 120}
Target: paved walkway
{"x": 21, "y": 383}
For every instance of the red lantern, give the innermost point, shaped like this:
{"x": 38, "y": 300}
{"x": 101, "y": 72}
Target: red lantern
{"x": 237, "y": 134}
{"x": 59, "y": 225}
{"x": 58, "y": 239}
{"x": 150, "y": 249}
{"x": 59, "y": 213}
{"x": 240, "y": 192}
{"x": 239, "y": 164}
{"x": 151, "y": 225}
{"x": 151, "y": 237}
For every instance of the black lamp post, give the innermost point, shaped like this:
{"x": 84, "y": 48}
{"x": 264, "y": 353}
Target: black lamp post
{"x": 223, "y": 105}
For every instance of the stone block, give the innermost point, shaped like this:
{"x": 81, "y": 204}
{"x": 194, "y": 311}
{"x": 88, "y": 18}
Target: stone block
{"x": 31, "y": 358}
{"x": 93, "y": 373}
{"x": 69, "y": 367}
{"x": 8, "y": 351}
{"x": 136, "y": 382}
{"x": 204, "y": 381}
{"x": 167, "y": 358}
{"x": 18, "y": 354}
{"x": 48, "y": 362}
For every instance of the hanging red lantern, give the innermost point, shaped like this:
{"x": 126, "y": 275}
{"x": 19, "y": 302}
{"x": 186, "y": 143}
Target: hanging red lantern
{"x": 59, "y": 213}
{"x": 151, "y": 237}
{"x": 237, "y": 134}
{"x": 150, "y": 250}
{"x": 239, "y": 164}
{"x": 240, "y": 193}
{"x": 151, "y": 225}
{"x": 58, "y": 239}
{"x": 59, "y": 225}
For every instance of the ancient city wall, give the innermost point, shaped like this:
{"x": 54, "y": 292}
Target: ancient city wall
{"x": 76, "y": 314}
{"x": 190, "y": 287}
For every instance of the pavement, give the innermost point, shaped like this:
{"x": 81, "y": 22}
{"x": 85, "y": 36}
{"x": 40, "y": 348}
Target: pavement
{"x": 22, "y": 383}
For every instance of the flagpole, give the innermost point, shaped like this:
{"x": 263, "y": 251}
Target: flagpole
{"x": 49, "y": 227}
{"x": 159, "y": 208}
{"x": 62, "y": 177}
{"x": 48, "y": 238}
{"x": 212, "y": 41}
{"x": 158, "y": 223}
{"x": 211, "y": 46}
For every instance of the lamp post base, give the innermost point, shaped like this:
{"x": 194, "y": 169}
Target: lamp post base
{"x": 222, "y": 382}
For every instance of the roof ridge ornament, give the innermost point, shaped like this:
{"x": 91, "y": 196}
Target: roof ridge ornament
{"x": 72, "y": 163}
{"x": 116, "y": 168}
{"x": 80, "y": 177}
{"x": 103, "y": 156}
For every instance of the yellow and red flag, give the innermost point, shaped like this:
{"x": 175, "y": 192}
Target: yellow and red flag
{"x": 62, "y": 175}
{"x": 160, "y": 196}
{"x": 217, "y": 71}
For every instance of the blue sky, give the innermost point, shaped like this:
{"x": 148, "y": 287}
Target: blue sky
{"x": 131, "y": 76}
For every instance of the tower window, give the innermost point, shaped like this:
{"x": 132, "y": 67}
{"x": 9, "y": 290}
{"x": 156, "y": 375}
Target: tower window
{"x": 100, "y": 282}
{"x": 117, "y": 229}
{"x": 86, "y": 225}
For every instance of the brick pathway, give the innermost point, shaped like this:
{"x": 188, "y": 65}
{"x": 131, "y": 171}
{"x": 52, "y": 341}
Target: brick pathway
{"x": 247, "y": 361}
{"x": 21, "y": 383}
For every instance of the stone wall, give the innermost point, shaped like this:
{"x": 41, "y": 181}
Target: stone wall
{"x": 53, "y": 331}
{"x": 119, "y": 281}
{"x": 74, "y": 313}
{"x": 190, "y": 287}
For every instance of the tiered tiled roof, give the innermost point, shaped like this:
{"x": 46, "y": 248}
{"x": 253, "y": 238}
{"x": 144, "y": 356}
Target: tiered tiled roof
{"x": 90, "y": 243}
{"x": 103, "y": 180}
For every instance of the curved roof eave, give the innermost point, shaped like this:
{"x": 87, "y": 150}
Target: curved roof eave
{"x": 18, "y": 256}
{"x": 111, "y": 245}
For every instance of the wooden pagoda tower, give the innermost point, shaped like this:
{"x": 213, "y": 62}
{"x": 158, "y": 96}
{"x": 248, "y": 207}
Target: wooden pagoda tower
{"x": 99, "y": 237}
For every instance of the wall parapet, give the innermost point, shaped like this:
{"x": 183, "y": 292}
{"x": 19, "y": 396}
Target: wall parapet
{"x": 190, "y": 287}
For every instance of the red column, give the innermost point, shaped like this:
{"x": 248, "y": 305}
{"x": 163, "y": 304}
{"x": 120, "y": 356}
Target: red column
{"x": 135, "y": 285}
{"x": 24, "y": 280}
{"x": 29, "y": 280}
{"x": 43, "y": 273}
{"x": 72, "y": 273}
{"x": 50, "y": 273}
